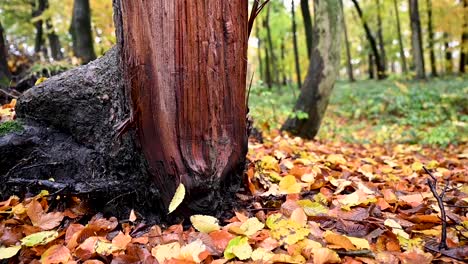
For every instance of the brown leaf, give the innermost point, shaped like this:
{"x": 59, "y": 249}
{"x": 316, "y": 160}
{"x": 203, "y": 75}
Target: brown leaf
{"x": 56, "y": 254}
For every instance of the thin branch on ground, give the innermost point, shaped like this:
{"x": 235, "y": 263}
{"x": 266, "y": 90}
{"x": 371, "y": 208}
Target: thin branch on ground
{"x": 439, "y": 197}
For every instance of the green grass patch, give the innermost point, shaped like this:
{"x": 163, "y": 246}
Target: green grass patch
{"x": 9, "y": 127}
{"x": 431, "y": 112}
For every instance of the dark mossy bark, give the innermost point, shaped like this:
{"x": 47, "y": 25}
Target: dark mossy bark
{"x": 5, "y": 75}
{"x": 306, "y": 16}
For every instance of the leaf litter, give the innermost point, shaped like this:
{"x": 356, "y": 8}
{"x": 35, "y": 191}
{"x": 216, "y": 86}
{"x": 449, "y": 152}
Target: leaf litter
{"x": 303, "y": 202}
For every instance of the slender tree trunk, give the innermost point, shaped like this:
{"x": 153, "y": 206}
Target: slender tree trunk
{"x": 54, "y": 41}
{"x": 400, "y": 40}
{"x": 371, "y": 69}
{"x": 430, "y": 32}
{"x": 349, "y": 66}
{"x": 38, "y": 25}
{"x": 80, "y": 30}
{"x": 296, "y": 49}
{"x": 448, "y": 55}
{"x": 184, "y": 65}
{"x": 271, "y": 49}
{"x": 383, "y": 54}
{"x": 372, "y": 42}
{"x": 416, "y": 39}
{"x": 259, "y": 52}
{"x": 323, "y": 69}
{"x": 283, "y": 68}
{"x": 464, "y": 40}
{"x": 4, "y": 72}
{"x": 268, "y": 75}
{"x": 305, "y": 9}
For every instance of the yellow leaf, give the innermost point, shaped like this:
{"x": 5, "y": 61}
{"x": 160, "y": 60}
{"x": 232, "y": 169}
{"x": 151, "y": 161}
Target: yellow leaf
{"x": 252, "y": 226}
{"x": 40, "y": 80}
{"x": 336, "y": 159}
{"x": 238, "y": 247}
{"x": 6, "y": 253}
{"x": 177, "y": 199}
{"x": 262, "y": 255}
{"x": 40, "y": 238}
{"x": 289, "y": 185}
{"x": 105, "y": 248}
{"x": 360, "y": 243}
{"x": 396, "y": 228}
{"x": 205, "y": 223}
{"x": 166, "y": 252}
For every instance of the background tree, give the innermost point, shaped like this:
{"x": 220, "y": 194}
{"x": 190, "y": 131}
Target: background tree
{"x": 372, "y": 42}
{"x": 349, "y": 65}
{"x": 4, "y": 72}
{"x": 464, "y": 39}
{"x": 380, "y": 37}
{"x": 296, "y": 48}
{"x": 305, "y": 9}
{"x": 430, "y": 36}
{"x": 416, "y": 39}
{"x": 38, "y": 9}
{"x": 80, "y": 30}
{"x": 323, "y": 70}
{"x": 400, "y": 39}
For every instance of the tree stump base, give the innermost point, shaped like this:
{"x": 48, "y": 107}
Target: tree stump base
{"x": 68, "y": 145}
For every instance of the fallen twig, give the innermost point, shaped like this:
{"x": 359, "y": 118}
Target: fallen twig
{"x": 439, "y": 197}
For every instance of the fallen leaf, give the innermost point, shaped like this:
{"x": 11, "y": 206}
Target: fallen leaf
{"x": 177, "y": 199}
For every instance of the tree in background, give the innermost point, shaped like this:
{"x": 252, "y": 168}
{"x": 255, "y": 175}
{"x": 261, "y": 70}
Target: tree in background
{"x": 430, "y": 36}
{"x": 188, "y": 100}
{"x": 38, "y": 8}
{"x": 383, "y": 55}
{"x": 305, "y": 9}
{"x": 80, "y": 30}
{"x": 4, "y": 72}
{"x": 381, "y": 74}
{"x": 416, "y": 39}
{"x": 296, "y": 48}
{"x": 323, "y": 70}
{"x": 349, "y": 66}
{"x": 448, "y": 62}
{"x": 400, "y": 40}
{"x": 464, "y": 39}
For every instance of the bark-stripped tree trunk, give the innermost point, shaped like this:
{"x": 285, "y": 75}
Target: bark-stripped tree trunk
{"x": 323, "y": 70}
{"x": 185, "y": 64}
{"x": 349, "y": 66}
{"x": 372, "y": 42}
{"x": 296, "y": 49}
{"x": 464, "y": 40}
{"x": 80, "y": 30}
{"x": 416, "y": 40}
{"x": 380, "y": 36}
{"x": 400, "y": 40}
{"x": 4, "y": 72}
{"x": 430, "y": 36}
{"x": 305, "y": 10}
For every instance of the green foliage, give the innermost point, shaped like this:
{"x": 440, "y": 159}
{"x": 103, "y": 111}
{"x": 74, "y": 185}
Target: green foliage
{"x": 48, "y": 69}
{"x": 10, "y": 126}
{"x": 433, "y": 112}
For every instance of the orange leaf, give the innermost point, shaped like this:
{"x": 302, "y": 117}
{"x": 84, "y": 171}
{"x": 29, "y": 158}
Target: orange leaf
{"x": 56, "y": 254}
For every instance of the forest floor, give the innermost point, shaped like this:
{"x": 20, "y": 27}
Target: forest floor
{"x": 367, "y": 191}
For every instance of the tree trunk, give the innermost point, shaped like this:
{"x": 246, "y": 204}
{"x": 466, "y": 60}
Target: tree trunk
{"x": 370, "y": 69}
{"x": 323, "y": 70}
{"x": 416, "y": 39}
{"x": 284, "y": 74}
{"x": 184, "y": 65}
{"x": 268, "y": 73}
{"x": 430, "y": 32}
{"x": 270, "y": 48}
{"x": 81, "y": 33}
{"x": 4, "y": 72}
{"x": 400, "y": 40}
{"x": 464, "y": 40}
{"x": 305, "y": 9}
{"x": 380, "y": 37}
{"x": 38, "y": 25}
{"x": 296, "y": 49}
{"x": 54, "y": 42}
{"x": 372, "y": 42}
{"x": 448, "y": 55}
{"x": 349, "y": 66}
{"x": 259, "y": 52}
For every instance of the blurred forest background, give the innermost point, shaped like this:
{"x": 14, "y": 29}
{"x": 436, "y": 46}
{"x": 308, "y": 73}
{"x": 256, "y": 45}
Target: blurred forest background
{"x": 402, "y": 62}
